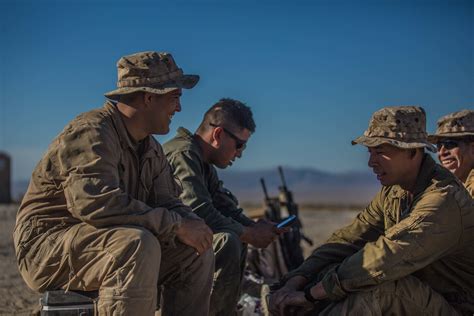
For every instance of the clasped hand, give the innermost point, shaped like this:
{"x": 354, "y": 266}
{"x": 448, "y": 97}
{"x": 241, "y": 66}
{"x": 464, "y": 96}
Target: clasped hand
{"x": 195, "y": 233}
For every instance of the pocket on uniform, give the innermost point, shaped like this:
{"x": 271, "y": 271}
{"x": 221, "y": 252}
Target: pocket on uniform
{"x": 23, "y": 239}
{"x": 45, "y": 252}
{"x": 165, "y": 190}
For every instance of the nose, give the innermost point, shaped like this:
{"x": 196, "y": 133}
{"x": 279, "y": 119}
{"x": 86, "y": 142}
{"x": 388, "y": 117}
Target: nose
{"x": 443, "y": 151}
{"x": 372, "y": 160}
{"x": 178, "y": 106}
{"x": 238, "y": 153}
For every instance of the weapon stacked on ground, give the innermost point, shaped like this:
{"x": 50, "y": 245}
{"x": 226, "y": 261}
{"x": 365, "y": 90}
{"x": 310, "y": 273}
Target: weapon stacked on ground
{"x": 266, "y": 266}
{"x": 272, "y": 205}
{"x": 286, "y": 200}
{"x": 279, "y": 208}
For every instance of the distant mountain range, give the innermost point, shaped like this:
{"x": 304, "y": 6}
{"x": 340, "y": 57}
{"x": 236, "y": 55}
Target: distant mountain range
{"x": 308, "y": 185}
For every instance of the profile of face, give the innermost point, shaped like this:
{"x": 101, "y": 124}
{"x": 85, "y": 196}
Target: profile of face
{"x": 230, "y": 144}
{"x": 160, "y": 110}
{"x": 456, "y": 155}
{"x": 392, "y": 165}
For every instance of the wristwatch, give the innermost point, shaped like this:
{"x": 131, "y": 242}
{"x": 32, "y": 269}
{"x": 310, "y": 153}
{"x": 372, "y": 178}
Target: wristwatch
{"x": 308, "y": 296}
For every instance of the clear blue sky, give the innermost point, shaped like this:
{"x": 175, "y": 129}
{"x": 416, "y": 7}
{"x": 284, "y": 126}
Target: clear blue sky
{"x": 312, "y": 71}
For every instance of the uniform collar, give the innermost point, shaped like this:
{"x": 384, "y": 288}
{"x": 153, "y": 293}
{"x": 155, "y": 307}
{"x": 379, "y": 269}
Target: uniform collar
{"x": 184, "y": 133}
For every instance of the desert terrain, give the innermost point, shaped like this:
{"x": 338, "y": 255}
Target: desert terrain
{"x": 17, "y": 299}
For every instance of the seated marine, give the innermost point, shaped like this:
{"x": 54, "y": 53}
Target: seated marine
{"x": 102, "y": 211}
{"x": 409, "y": 252}
{"x": 220, "y": 138}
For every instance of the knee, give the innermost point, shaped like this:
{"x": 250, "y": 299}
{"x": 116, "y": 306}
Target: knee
{"x": 143, "y": 246}
{"x": 228, "y": 246}
{"x": 206, "y": 266}
{"x": 207, "y": 259}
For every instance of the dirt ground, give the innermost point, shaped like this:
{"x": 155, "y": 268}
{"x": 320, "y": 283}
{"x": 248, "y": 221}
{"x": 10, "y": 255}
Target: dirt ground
{"x": 17, "y": 299}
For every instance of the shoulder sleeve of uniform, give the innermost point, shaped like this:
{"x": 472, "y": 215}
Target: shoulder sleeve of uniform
{"x": 469, "y": 184}
{"x": 89, "y": 155}
{"x": 188, "y": 168}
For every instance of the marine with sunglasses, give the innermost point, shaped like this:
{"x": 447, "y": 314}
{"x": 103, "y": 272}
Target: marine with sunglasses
{"x": 220, "y": 139}
{"x": 454, "y": 139}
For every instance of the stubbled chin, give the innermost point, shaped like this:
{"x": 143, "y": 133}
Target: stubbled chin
{"x": 451, "y": 166}
{"x": 383, "y": 180}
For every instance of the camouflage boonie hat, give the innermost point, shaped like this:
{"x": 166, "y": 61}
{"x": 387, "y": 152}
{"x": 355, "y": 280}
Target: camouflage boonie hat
{"x": 400, "y": 126}
{"x": 457, "y": 124}
{"x": 153, "y": 72}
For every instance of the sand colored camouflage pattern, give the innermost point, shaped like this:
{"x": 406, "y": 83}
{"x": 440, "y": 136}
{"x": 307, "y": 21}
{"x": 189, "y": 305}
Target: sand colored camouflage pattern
{"x": 457, "y": 124}
{"x": 153, "y": 72}
{"x": 400, "y": 126}
{"x": 407, "y": 296}
{"x": 469, "y": 184}
{"x": 430, "y": 237}
{"x": 98, "y": 216}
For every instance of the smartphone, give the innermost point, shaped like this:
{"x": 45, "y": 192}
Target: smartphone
{"x": 287, "y": 222}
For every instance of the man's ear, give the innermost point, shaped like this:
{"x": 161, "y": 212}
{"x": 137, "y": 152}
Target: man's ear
{"x": 416, "y": 152}
{"x": 217, "y": 137}
{"x": 471, "y": 148}
{"x": 147, "y": 98}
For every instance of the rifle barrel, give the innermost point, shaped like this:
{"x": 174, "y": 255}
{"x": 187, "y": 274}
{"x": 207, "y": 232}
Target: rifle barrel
{"x": 264, "y": 187}
{"x": 282, "y": 177}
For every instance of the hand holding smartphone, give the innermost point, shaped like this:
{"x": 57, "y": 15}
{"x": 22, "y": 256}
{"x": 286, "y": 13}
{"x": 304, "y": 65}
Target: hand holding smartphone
{"x": 287, "y": 222}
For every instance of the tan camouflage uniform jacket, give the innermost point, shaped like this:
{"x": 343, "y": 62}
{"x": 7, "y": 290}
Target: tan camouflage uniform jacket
{"x": 469, "y": 184}
{"x": 431, "y": 238}
{"x": 202, "y": 188}
{"x": 92, "y": 173}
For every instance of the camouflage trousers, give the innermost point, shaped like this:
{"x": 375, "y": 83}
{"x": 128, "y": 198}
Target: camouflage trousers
{"x": 230, "y": 254}
{"x": 126, "y": 264}
{"x": 407, "y": 296}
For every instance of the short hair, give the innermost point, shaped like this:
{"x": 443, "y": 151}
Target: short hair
{"x": 228, "y": 112}
{"x": 130, "y": 97}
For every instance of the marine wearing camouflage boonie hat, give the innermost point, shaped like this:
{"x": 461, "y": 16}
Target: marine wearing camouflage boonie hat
{"x": 457, "y": 124}
{"x": 154, "y": 72}
{"x": 400, "y": 126}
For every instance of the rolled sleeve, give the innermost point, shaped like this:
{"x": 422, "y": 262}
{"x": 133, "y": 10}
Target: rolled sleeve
{"x": 427, "y": 234}
{"x": 366, "y": 227}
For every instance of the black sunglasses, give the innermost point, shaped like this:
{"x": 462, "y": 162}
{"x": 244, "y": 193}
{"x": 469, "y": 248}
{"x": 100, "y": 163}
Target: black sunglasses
{"x": 447, "y": 143}
{"x": 239, "y": 143}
